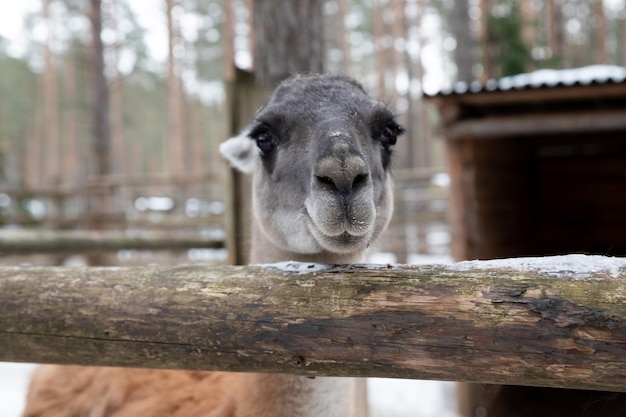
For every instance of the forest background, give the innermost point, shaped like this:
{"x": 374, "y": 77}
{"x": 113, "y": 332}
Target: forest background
{"x": 130, "y": 89}
{"x": 123, "y": 87}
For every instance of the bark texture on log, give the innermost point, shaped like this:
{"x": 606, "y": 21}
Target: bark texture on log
{"x": 557, "y": 322}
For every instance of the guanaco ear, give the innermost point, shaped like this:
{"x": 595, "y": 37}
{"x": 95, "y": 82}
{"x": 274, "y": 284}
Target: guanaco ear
{"x": 241, "y": 152}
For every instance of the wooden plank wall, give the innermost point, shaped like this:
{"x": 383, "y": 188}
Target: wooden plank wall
{"x": 582, "y": 195}
{"x": 504, "y": 188}
{"x": 548, "y": 196}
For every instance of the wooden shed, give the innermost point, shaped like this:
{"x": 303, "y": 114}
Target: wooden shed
{"x": 537, "y": 163}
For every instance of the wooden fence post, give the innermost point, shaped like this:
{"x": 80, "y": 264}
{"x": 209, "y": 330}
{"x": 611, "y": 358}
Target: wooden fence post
{"x": 245, "y": 97}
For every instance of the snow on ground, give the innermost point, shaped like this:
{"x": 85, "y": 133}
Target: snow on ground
{"x": 14, "y": 379}
{"x": 411, "y": 398}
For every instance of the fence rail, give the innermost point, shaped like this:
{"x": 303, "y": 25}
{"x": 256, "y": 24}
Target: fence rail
{"x": 94, "y": 184}
{"x": 22, "y": 242}
{"x": 557, "y": 322}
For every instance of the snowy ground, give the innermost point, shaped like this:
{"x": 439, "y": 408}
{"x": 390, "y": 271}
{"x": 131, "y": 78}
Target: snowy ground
{"x": 14, "y": 379}
{"x": 407, "y": 398}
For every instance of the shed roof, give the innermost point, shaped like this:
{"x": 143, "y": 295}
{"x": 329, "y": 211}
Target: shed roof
{"x": 541, "y": 79}
{"x": 581, "y": 100}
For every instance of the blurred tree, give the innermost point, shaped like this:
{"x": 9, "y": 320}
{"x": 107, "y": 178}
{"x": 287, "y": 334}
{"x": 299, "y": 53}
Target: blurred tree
{"x": 18, "y": 89}
{"x": 196, "y": 152}
{"x": 143, "y": 94}
{"x": 336, "y": 40}
{"x": 419, "y": 141}
{"x": 505, "y": 36}
{"x": 100, "y": 104}
{"x": 213, "y": 53}
{"x": 213, "y": 45}
{"x": 600, "y": 32}
{"x": 379, "y": 33}
{"x": 464, "y": 50}
{"x": 175, "y": 94}
{"x": 71, "y": 106}
{"x": 146, "y": 122}
{"x": 554, "y": 28}
{"x": 116, "y": 81}
{"x": 487, "y": 45}
{"x": 343, "y": 7}
{"x": 529, "y": 27}
{"x": 622, "y": 41}
{"x": 398, "y": 34}
{"x": 364, "y": 37}
{"x": 76, "y": 95}
{"x": 51, "y": 144}
{"x": 228, "y": 33}
{"x": 288, "y": 39}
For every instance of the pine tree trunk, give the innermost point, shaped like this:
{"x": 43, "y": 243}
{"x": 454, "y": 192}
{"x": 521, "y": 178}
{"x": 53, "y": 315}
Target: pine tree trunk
{"x": 99, "y": 202}
{"x": 342, "y": 36}
{"x": 397, "y": 32}
{"x": 400, "y": 63}
{"x": 197, "y": 158}
{"x": 487, "y": 53}
{"x": 623, "y": 51}
{"x": 175, "y": 146}
{"x": 288, "y": 39}
{"x": 228, "y": 40}
{"x": 32, "y": 149}
{"x": 118, "y": 149}
{"x": 554, "y": 28}
{"x": 175, "y": 137}
{"x": 528, "y": 26}
{"x": 118, "y": 152}
{"x": 379, "y": 51}
{"x": 464, "y": 52}
{"x": 101, "y": 132}
{"x": 71, "y": 145}
{"x": 250, "y": 21}
{"x": 421, "y": 151}
{"x": 600, "y": 33}
{"x": 51, "y": 167}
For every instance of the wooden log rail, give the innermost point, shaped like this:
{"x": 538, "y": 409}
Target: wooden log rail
{"x": 557, "y": 322}
{"x": 79, "y": 241}
{"x": 97, "y": 183}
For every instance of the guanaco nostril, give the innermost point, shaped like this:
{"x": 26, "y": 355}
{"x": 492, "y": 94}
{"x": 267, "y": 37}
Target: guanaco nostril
{"x": 325, "y": 180}
{"x": 344, "y": 183}
{"x": 359, "y": 180}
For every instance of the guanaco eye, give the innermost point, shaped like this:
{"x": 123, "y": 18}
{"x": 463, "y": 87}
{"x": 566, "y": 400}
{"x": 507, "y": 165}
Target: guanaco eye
{"x": 264, "y": 141}
{"x": 389, "y": 135}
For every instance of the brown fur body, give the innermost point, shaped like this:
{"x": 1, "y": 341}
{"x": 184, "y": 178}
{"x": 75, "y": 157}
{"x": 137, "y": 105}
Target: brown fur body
{"x": 62, "y": 391}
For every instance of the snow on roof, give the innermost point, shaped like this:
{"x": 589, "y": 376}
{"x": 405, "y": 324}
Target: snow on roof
{"x": 593, "y": 74}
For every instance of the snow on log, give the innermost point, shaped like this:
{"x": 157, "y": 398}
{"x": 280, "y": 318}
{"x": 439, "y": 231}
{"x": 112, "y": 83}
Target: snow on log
{"x": 557, "y": 321}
